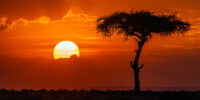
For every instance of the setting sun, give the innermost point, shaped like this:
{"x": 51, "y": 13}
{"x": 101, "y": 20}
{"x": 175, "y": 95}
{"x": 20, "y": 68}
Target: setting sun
{"x": 65, "y": 49}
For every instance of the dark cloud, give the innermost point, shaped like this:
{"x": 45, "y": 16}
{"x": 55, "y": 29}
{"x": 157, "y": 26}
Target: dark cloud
{"x": 102, "y": 7}
{"x": 55, "y": 9}
{"x": 2, "y": 27}
{"x": 32, "y": 9}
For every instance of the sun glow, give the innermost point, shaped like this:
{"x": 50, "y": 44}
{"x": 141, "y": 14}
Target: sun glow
{"x": 65, "y": 49}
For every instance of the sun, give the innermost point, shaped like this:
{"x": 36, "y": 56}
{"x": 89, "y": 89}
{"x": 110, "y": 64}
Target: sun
{"x": 65, "y": 49}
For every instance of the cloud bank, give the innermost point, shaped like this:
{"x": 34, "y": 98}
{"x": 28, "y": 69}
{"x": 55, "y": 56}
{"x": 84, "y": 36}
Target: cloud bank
{"x": 56, "y": 9}
{"x": 31, "y": 9}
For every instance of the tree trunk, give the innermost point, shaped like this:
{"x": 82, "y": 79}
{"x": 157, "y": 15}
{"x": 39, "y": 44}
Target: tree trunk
{"x": 136, "y": 68}
{"x": 137, "y": 80}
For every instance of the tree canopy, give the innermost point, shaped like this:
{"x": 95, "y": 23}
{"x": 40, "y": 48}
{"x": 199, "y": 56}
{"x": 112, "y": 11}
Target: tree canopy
{"x": 140, "y": 23}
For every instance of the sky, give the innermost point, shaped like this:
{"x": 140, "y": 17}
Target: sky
{"x": 30, "y": 29}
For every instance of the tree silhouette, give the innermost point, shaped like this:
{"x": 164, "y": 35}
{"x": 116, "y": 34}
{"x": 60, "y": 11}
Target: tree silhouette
{"x": 141, "y": 25}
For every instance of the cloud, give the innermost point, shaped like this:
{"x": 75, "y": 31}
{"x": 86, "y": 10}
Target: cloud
{"x": 3, "y": 23}
{"x": 32, "y": 9}
{"x": 102, "y": 7}
{"x": 2, "y": 27}
{"x": 56, "y": 9}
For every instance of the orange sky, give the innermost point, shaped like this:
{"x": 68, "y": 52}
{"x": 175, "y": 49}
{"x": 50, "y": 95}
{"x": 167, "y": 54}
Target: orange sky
{"x": 29, "y": 30}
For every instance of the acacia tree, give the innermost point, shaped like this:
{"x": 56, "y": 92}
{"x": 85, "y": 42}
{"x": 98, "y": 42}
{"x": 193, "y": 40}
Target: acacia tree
{"x": 142, "y": 25}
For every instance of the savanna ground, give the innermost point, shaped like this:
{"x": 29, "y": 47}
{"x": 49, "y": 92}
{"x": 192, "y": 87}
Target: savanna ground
{"x": 96, "y": 95}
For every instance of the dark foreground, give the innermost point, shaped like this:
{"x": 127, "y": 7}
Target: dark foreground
{"x": 95, "y": 95}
